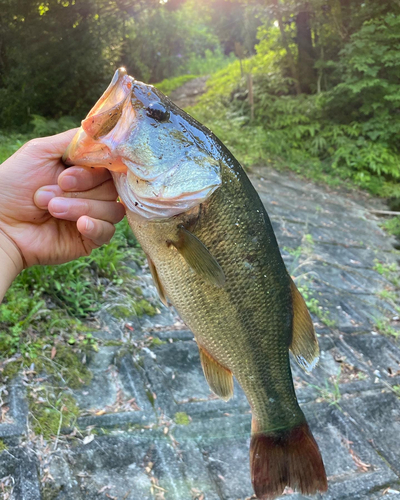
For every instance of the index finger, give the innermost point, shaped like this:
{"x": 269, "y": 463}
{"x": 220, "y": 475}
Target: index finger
{"x": 82, "y": 178}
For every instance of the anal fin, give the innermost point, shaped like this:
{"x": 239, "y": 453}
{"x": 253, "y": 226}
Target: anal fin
{"x": 304, "y": 343}
{"x": 199, "y": 258}
{"x": 157, "y": 282}
{"x": 219, "y": 378}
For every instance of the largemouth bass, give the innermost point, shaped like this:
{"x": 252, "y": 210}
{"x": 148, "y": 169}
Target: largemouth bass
{"x": 214, "y": 256}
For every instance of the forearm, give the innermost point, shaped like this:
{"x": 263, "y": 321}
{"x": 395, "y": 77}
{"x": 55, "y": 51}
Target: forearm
{"x": 11, "y": 263}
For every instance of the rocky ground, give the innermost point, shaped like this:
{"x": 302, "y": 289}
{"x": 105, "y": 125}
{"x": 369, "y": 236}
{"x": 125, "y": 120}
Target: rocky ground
{"x": 151, "y": 429}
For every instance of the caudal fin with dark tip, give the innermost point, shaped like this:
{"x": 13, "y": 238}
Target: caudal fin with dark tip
{"x": 286, "y": 458}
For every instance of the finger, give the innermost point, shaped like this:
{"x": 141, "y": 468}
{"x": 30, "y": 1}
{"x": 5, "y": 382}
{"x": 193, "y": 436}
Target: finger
{"x": 82, "y": 179}
{"x": 73, "y": 209}
{"x": 104, "y": 192}
{"x": 98, "y": 231}
{"x": 44, "y": 194}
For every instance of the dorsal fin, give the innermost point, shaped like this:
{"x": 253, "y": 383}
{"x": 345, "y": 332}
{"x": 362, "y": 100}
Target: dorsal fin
{"x": 199, "y": 258}
{"x": 157, "y": 282}
{"x": 304, "y": 343}
{"x": 218, "y": 377}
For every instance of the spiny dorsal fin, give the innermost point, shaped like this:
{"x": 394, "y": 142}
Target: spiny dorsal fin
{"x": 304, "y": 344}
{"x": 219, "y": 378}
{"x": 199, "y": 258}
{"x": 157, "y": 282}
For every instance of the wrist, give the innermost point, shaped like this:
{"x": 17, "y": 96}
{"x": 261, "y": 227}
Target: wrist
{"x": 11, "y": 263}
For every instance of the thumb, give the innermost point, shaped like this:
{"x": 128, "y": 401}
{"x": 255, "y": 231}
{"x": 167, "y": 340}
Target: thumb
{"x": 55, "y": 145}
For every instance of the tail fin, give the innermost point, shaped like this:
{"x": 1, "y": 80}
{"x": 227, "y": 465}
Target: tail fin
{"x": 286, "y": 458}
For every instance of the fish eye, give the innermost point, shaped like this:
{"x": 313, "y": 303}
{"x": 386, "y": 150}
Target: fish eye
{"x": 158, "y": 112}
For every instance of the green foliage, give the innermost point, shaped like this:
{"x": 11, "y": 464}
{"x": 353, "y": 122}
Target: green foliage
{"x": 57, "y": 57}
{"x": 46, "y": 301}
{"x": 384, "y": 326}
{"x": 170, "y": 84}
{"x": 181, "y": 418}
{"x": 331, "y": 391}
{"x": 3, "y": 446}
{"x": 314, "y": 306}
{"x": 10, "y": 143}
{"x": 43, "y": 127}
{"x": 392, "y": 226}
{"x": 50, "y": 411}
{"x": 386, "y": 270}
{"x": 347, "y": 133}
{"x": 209, "y": 62}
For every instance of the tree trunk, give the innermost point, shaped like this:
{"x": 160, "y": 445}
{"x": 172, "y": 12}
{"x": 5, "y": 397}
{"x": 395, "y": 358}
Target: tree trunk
{"x": 306, "y": 55}
{"x": 345, "y": 11}
{"x": 285, "y": 43}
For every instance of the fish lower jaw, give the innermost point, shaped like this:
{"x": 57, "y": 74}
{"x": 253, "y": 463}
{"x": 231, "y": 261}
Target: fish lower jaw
{"x": 154, "y": 205}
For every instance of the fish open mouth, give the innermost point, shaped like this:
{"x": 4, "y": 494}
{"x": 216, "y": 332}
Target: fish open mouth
{"x": 103, "y": 127}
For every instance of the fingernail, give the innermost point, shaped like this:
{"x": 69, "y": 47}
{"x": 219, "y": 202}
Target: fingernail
{"x": 89, "y": 225}
{"x": 68, "y": 182}
{"x": 43, "y": 196}
{"x": 60, "y": 206}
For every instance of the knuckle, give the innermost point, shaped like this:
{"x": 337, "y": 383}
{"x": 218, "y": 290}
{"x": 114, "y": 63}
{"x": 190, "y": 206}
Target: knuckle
{"x": 85, "y": 207}
{"x": 34, "y": 144}
{"x": 31, "y": 146}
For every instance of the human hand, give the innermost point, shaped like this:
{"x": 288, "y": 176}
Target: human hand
{"x": 50, "y": 214}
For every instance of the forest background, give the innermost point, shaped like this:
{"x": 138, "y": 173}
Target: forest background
{"x": 325, "y": 73}
{"x": 313, "y": 86}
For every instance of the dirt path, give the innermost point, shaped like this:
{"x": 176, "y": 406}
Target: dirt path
{"x": 188, "y": 94}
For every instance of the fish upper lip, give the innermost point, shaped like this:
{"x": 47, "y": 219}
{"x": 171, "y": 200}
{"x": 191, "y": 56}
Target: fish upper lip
{"x": 105, "y": 103}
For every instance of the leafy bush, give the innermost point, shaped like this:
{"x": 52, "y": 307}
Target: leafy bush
{"x": 211, "y": 61}
{"x": 349, "y": 132}
{"x": 43, "y": 127}
{"x": 392, "y": 226}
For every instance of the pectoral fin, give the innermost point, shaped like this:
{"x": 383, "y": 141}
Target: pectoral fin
{"x": 199, "y": 258}
{"x": 304, "y": 344}
{"x": 219, "y": 378}
{"x": 157, "y": 282}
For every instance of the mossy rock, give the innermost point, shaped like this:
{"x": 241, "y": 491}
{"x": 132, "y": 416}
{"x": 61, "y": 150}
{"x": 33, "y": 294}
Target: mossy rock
{"x": 48, "y": 418}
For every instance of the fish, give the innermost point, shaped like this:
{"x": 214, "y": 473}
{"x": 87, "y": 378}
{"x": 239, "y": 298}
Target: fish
{"x": 213, "y": 255}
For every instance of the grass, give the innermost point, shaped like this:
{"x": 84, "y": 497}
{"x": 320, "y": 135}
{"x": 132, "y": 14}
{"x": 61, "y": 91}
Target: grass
{"x": 331, "y": 392}
{"x": 53, "y": 301}
{"x": 305, "y": 251}
{"x": 51, "y": 411}
{"x": 388, "y": 271}
{"x": 10, "y": 143}
{"x": 170, "y": 84}
{"x": 384, "y": 327}
{"x": 392, "y": 226}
